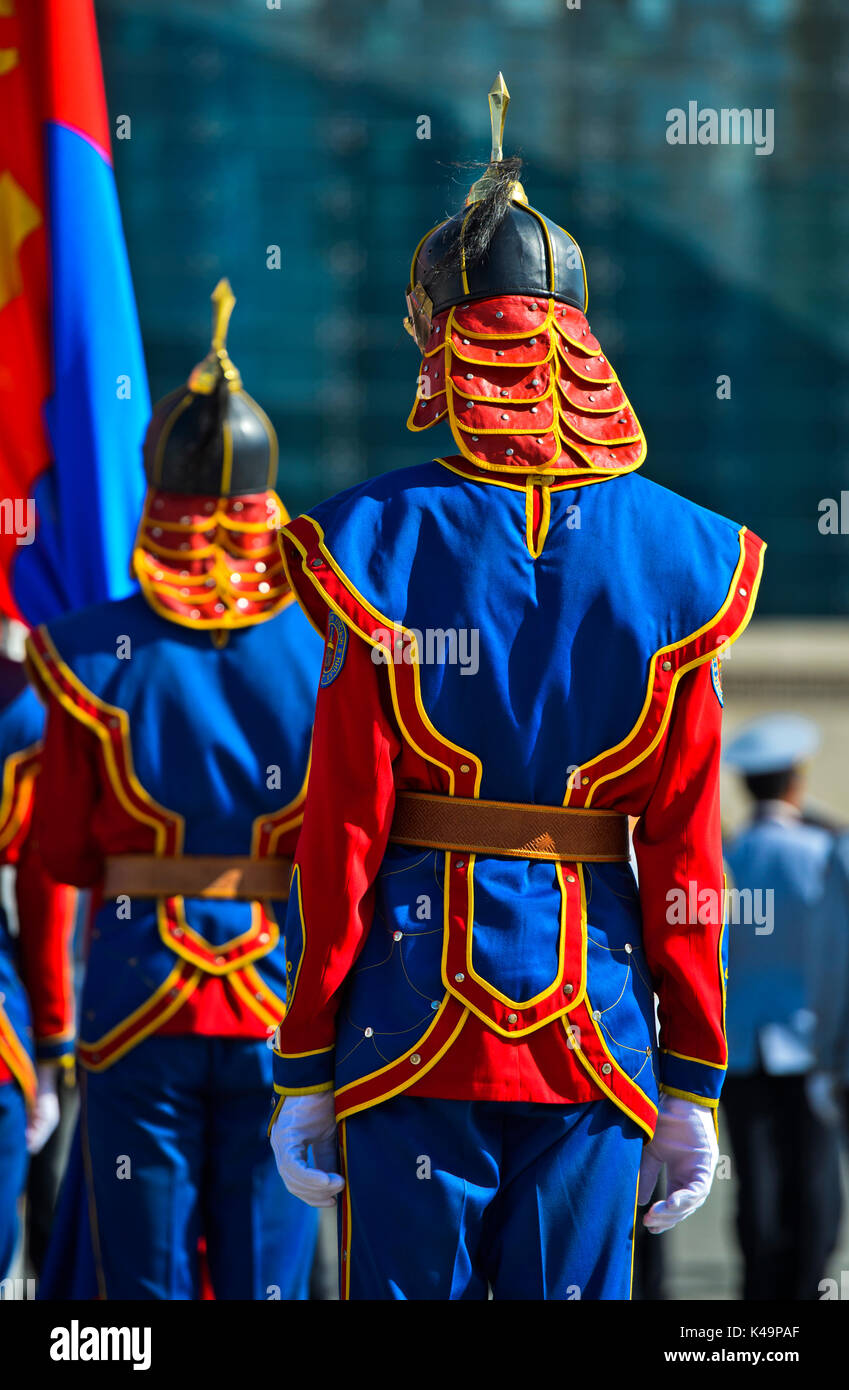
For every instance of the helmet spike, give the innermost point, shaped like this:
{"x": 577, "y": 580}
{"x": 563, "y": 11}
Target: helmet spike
{"x": 499, "y": 100}
{"x": 217, "y": 365}
{"x": 223, "y": 300}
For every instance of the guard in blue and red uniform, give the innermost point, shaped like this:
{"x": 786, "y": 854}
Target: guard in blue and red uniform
{"x": 172, "y": 786}
{"x": 522, "y": 652}
{"x": 36, "y": 989}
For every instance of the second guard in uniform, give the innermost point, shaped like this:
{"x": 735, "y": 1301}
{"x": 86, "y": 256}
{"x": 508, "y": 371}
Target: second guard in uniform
{"x": 36, "y": 989}
{"x": 173, "y": 782}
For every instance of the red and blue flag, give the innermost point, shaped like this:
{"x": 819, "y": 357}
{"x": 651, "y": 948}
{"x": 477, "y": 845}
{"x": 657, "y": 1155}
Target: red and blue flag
{"x": 73, "y": 390}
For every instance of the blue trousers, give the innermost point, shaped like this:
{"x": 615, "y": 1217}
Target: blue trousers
{"x": 446, "y": 1199}
{"x": 13, "y": 1168}
{"x": 176, "y": 1148}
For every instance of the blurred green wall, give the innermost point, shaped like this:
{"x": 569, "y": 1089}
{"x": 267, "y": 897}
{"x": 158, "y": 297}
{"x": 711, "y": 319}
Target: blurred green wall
{"x": 254, "y": 127}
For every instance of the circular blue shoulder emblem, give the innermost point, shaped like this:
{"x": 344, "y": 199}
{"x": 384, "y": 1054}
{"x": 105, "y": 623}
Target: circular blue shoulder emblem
{"x": 334, "y": 650}
{"x": 716, "y": 680}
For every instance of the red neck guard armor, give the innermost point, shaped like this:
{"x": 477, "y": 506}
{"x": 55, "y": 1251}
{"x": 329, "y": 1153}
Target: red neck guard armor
{"x": 525, "y": 386}
{"x": 210, "y": 562}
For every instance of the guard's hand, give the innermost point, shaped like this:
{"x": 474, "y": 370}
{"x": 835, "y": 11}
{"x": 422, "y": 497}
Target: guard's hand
{"x": 44, "y": 1115}
{"x": 308, "y": 1122}
{"x": 685, "y": 1143}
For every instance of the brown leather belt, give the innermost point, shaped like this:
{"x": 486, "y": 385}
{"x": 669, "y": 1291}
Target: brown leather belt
{"x": 431, "y": 821}
{"x": 196, "y": 876}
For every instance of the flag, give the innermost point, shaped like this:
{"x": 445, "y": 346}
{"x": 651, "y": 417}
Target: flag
{"x": 73, "y": 391}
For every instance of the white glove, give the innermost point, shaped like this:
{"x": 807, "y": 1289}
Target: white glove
{"x": 44, "y": 1115}
{"x": 685, "y": 1141}
{"x": 308, "y": 1122}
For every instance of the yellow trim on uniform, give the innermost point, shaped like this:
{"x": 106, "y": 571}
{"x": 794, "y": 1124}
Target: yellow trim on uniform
{"x": 385, "y": 623}
{"x": 551, "y": 467}
{"x": 697, "y": 661}
{"x": 247, "y": 996}
{"x": 634, "y": 1239}
{"x": 121, "y": 720}
{"x": 412, "y": 424}
{"x": 17, "y": 1059}
{"x": 564, "y": 387}
{"x": 533, "y": 332}
{"x": 9, "y": 812}
{"x": 560, "y": 482}
{"x": 144, "y": 568}
{"x": 611, "y": 1095}
{"x": 274, "y": 1114}
{"x": 210, "y": 968}
{"x": 541, "y": 219}
{"x": 287, "y": 818}
{"x": 416, "y": 1072}
{"x": 296, "y": 1056}
{"x": 168, "y": 984}
{"x": 226, "y": 456}
{"x": 429, "y": 757}
{"x": 718, "y": 1066}
{"x": 290, "y": 991}
{"x": 489, "y": 987}
{"x": 530, "y": 363}
{"x": 271, "y": 1008}
{"x": 554, "y": 430}
{"x": 529, "y": 516}
{"x": 542, "y": 534}
{"x": 228, "y": 620}
{"x": 91, "y": 1200}
{"x": 549, "y": 252}
{"x": 345, "y": 1254}
{"x": 175, "y": 556}
{"x": 706, "y": 1101}
{"x": 512, "y": 404}
{"x": 535, "y": 547}
{"x": 302, "y": 1090}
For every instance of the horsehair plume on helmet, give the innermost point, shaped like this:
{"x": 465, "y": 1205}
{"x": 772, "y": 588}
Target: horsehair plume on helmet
{"x": 475, "y": 232}
{"x": 489, "y": 198}
{"x": 496, "y": 301}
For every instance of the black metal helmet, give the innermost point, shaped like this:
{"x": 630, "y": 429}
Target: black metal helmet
{"x": 497, "y": 245}
{"x": 210, "y": 437}
{"x": 528, "y": 254}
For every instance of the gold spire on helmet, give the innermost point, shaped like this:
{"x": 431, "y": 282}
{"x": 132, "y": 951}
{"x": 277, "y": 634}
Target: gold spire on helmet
{"x": 217, "y": 364}
{"x": 499, "y": 100}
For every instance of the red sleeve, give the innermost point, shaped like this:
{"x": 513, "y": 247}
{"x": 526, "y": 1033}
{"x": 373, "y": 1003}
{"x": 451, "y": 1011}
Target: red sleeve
{"x": 68, "y": 790}
{"x": 678, "y": 845}
{"x": 347, "y": 817}
{"x": 46, "y": 913}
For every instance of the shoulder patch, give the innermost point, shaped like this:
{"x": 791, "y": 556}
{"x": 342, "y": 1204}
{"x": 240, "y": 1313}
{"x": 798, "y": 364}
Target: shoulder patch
{"x": 716, "y": 679}
{"x": 334, "y": 650}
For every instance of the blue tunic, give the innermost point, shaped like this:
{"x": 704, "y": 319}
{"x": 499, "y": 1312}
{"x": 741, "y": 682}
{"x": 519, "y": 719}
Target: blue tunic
{"x": 219, "y": 740}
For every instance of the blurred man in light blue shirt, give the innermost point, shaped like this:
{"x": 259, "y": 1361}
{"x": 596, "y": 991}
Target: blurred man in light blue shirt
{"x": 786, "y": 1157}
{"x": 828, "y": 1087}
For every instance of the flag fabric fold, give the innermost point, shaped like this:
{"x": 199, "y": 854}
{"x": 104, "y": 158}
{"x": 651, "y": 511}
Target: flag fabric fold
{"x": 74, "y": 401}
